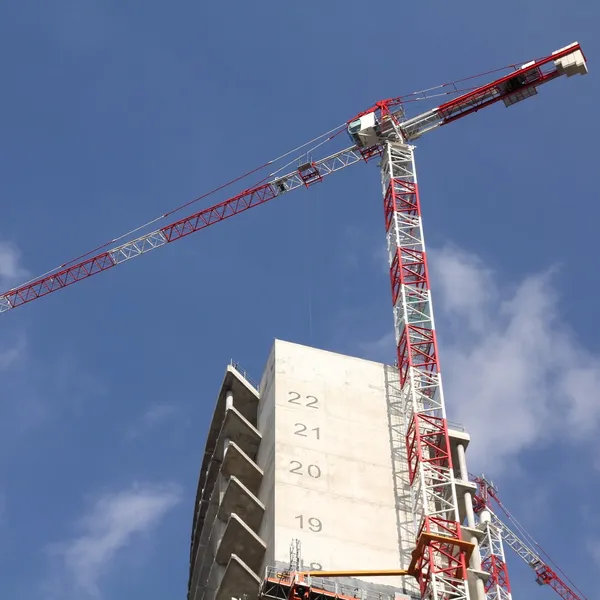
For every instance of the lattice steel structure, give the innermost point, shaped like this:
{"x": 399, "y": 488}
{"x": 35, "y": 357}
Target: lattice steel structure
{"x": 442, "y": 554}
{"x": 544, "y": 574}
{"x": 493, "y": 560}
{"x": 406, "y": 519}
{"x": 369, "y": 131}
{"x": 382, "y": 131}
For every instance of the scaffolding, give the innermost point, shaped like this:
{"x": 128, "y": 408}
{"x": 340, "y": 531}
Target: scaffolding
{"x": 285, "y": 585}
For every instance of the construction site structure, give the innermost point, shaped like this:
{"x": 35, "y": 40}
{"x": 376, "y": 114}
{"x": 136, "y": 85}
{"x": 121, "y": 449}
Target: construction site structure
{"x": 315, "y": 454}
{"x": 445, "y": 558}
{"x": 297, "y": 485}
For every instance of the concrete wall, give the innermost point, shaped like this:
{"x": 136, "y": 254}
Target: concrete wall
{"x": 266, "y": 455}
{"x": 318, "y": 456}
{"x": 326, "y": 447}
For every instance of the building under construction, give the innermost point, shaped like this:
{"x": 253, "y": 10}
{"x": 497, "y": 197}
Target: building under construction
{"x": 340, "y": 477}
{"x": 306, "y": 493}
{"x": 308, "y": 472}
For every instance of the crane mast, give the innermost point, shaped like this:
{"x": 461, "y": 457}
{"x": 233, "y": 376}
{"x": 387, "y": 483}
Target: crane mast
{"x": 441, "y": 556}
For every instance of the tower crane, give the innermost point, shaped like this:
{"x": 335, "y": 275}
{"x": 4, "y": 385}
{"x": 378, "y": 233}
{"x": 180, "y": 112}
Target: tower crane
{"x": 498, "y": 581}
{"x": 383, "y": 131}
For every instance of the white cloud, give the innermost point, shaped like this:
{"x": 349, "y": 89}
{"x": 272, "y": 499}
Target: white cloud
{"x": 467, "y": 285}
{"x": 112, "y": 523}
{"x": 514, "y": 373}
{"x": 157, "y": 414}
{"x": 21, "y": 398}
{"x": 153, "y": 417}
{"x": 11, "y": 269}
{"x": 12, "y": 354}
{"x": 36, "y": 384}
{"x": 380, "y": 349}
{"x": 23, "y": 394}
{"x": 114, "y": 520}
{"x": 594, "y": 550}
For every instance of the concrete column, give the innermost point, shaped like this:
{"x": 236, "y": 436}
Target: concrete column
{"x": 468, "y": 499}
{"x": 485, "y": 516}
{"x": 462, "y": 463}
{"x": 221, "y": 480}
{"x": 464, "y": 475}
{"x": 218, "y": 531}
{"x": 480, "y": 589}
{"x": 476, "y": 566}
{"x": 476, "y": 556}
{"x": 218, "y": 525}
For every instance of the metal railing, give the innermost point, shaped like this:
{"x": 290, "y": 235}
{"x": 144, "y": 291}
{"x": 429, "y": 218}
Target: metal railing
{"x": 456, "y": 426}
{"x": 245, "y": 375}
{"x": 327, "y": 585}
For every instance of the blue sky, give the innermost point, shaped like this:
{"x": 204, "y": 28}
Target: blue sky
{"x": 114, "y": 112}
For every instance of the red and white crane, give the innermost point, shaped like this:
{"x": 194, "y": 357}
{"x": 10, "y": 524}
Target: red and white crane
{"x": 498, "y": 586}
{"x": 383, "y": 131}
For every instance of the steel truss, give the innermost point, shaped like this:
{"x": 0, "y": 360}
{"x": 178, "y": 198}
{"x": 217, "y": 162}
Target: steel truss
{"x": 403, "y": 493}
{"x": 441, "y": 555}
{"x": 493, "y": 560}
{"x": 305, "y": 175}
{"x": 544, "y": 575}
{"x": 517, "y": 85}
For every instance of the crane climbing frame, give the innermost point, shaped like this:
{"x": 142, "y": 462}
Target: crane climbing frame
{"x": 385, "y": 132}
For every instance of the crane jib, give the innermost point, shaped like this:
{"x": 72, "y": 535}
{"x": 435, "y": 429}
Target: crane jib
{"x": 368, "y": 139}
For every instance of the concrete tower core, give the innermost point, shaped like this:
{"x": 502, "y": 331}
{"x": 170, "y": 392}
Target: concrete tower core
{"x": 312, "y": 469}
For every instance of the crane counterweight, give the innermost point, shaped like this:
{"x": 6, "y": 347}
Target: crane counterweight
{"x": 571, "y": 60}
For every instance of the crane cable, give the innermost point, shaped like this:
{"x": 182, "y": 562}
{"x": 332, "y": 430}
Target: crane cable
{"x": 413, "y": 97}
{"x": 337, "y": 131}
{"x": 528, "y": 536}
{"x": 291, "y": 162}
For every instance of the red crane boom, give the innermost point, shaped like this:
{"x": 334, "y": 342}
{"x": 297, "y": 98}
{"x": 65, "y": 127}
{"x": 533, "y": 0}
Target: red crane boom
{"x": 387, "y": 116}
